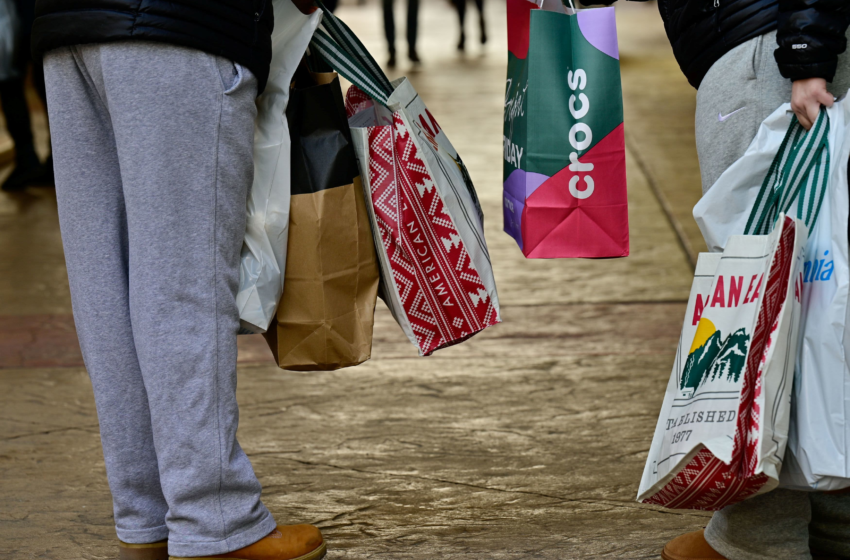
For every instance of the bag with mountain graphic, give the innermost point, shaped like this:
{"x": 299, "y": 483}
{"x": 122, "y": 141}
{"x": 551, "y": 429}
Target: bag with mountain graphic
{"x": 723, "y": 426}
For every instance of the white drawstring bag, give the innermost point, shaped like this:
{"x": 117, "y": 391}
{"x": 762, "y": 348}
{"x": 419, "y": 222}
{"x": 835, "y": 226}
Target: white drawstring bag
{"x": 264, "y": 250}
{"x": 818, "y": 451}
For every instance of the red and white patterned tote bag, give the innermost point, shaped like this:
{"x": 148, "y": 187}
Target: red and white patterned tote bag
{"x": 437, "y": 278}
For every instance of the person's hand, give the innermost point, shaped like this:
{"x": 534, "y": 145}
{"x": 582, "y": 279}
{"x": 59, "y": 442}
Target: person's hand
{"x": 305, "y": 6}
{"x": 807, "y": 96}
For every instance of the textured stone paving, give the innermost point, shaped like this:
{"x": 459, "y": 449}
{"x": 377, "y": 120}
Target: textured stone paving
{"x": 528, "y": 441}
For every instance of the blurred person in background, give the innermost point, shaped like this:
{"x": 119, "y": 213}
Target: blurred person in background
{"x": 28, "y": 168}
{"x": 412, "y": 25}
{"x": 460, "y": 5}
{"x": 746, "y": 58}
{"x": 152, "y": 109}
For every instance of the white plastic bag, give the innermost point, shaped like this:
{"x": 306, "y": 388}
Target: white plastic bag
{"x": 819, "y": 443}
{"x": 9, "y": 28}
{"x": 264, "y": 250}
{"x": 818, "y": 452}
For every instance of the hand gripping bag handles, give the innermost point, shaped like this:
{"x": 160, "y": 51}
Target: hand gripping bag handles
{"x": 263, "y": 259}
{"x": 818, "y": 455}
{"x": 723, "y": 429}
{"x": 436, "y": 274}
{"x": 564, "y": 147}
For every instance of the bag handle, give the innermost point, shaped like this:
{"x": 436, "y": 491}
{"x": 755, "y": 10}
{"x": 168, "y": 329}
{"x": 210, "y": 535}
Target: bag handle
{"x": 343, "y": 51}
{"x": 800, "y": 171}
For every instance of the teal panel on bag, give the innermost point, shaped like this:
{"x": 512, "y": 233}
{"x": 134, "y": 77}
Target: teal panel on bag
{"x": 516, "y": 107}
{"x": 557, "y": 48}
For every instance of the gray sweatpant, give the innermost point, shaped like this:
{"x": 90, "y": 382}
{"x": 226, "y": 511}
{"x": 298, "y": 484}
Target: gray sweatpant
{"x": 152, "y": 147}
{"x": 741, "y": 90}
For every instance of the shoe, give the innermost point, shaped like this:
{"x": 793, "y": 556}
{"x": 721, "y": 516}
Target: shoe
{"x": 690, "y": 546}
{"x": 414, "y": 57}
{"x": 391, "y": 60}
{"x": 287, "y": 542}
{"x": 152, "y": 551}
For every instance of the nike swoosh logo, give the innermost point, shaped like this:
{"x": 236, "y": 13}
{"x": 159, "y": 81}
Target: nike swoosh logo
{"x": 721, "y": 117}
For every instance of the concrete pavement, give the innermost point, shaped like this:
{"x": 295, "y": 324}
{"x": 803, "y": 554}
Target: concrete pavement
{"x": 528, "y": 441}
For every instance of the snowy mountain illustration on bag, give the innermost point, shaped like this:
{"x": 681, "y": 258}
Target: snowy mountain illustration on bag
{"x": 713, "y": 359}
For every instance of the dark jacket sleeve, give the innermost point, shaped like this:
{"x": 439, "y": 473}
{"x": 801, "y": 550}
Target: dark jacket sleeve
{"x": 810, "y": 37}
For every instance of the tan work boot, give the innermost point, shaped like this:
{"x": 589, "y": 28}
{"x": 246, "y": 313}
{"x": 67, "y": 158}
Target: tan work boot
{"x": 152, "y": 551}
{"x": 690, "y": 546}
{"x": 287, "y": 542}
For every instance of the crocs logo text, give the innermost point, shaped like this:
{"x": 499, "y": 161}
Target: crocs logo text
{"x": 578, "y": 81}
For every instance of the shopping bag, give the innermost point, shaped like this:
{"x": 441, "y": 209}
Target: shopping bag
{"x": 819, "y": 444}
{"x": 263, "y": 258}
{"x": 819, "y": 439}
{"x": 9, "y": 36}
{"x": 723, "y": 427}
{"x": 564, "y": 148}
{"x": 325, "y": 317}
{"x": 437, "y": 279}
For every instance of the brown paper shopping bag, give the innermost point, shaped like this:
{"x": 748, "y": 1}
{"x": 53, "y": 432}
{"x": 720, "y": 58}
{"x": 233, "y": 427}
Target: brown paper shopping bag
{"x": 325, "y": 317}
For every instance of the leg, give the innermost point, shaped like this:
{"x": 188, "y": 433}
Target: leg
{"x": 773, "y": 526}
{"x": 18, "y": 121}
{"x": 460, "y": 5}
{"x": 184, "y": 125}
{"x": 829, "y": 531}
{"x": 412, "y": 26}
{"x": 38, "y": 83}
{"x": 480, "y": 5}
{"x": 736, "y": 95}
{"x": 28, "y": 169}
{"x": 94, "y": 234}
{"x": 389, "y": 25}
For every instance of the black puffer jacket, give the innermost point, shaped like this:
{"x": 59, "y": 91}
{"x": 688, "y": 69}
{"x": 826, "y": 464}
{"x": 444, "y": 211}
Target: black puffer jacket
{"x": 810, "y": 33}
{"x": 239, "y": 30}
{"x": 811, "y": 36}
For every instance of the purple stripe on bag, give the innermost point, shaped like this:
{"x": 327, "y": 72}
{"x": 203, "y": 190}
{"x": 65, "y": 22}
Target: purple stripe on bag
{"x": 521, "y": 184}
{"x": 513, "y": 217}
{"x": 599, "y": 27}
